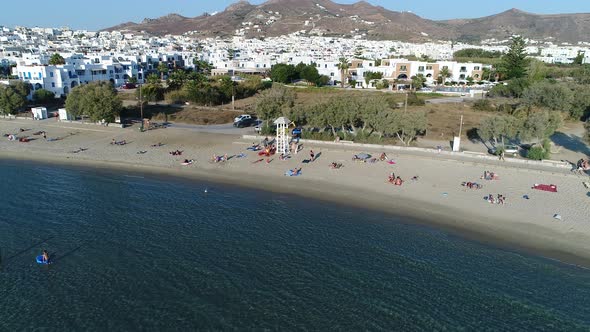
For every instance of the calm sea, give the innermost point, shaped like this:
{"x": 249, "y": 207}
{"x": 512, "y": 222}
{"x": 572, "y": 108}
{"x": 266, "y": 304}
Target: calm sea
{"x": 142, "y": 253}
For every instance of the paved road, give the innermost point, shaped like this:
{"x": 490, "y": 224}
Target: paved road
{"x": 449, "y": 100}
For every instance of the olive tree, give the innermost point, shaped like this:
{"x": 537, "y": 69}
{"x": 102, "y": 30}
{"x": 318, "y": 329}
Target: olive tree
{"x": 274, "y": 102}
{"x": 554, "y": 96}
{"x": 540, "y": 125}
{"x": 498, "y": 127}
{"x": 13, "y": 98}
{"x": 97, "y": 100}
{"x": 406, "y": 126}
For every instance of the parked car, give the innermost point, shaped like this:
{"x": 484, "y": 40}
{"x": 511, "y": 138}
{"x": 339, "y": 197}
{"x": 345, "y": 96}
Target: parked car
{"x": 247, "y": 122}
{"x": 129, "y": 86}
{"x": 258, "y": 126}
{"x": 242, "y": 117}
{"x": 296, "y": 132}
{"x": 508, "y": 149}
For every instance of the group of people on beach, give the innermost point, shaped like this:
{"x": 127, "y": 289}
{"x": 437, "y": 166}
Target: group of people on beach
{"x": 583, "y": 165}
{"x": 115, "y": 142}
{"x": 500, "y": 199}
{"x": 487, "y": 175}
{"x": 396, "y": 181}
{"x": 219, "y": 159}
{"x": 472, "y": 185}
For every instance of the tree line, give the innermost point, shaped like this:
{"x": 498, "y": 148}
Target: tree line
{"x": 199, "y": 88}
{"x": 354, "y": 115}
{"x": 534, "y": 100}
{"x": 287, "y": 73}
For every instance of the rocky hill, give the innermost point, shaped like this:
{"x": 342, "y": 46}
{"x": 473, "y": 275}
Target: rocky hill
{"x": 324, "y": 17}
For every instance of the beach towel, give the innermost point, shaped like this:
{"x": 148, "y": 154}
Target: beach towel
{"x": 391, "y": 162}
{"x": 546, "y": 187}
{"x": 291, "y": 173}
{"x": 241, "y": 155}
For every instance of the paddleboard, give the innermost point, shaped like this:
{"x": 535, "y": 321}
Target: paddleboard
{"x": 40, "y": 260}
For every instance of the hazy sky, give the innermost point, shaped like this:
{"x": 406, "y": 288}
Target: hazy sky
{"x": 94, "y": 15}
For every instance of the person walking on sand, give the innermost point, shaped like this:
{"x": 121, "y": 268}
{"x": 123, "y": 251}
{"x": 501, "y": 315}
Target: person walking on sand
{"x": 502, "y": 156}
{"x": 311, "y": 155}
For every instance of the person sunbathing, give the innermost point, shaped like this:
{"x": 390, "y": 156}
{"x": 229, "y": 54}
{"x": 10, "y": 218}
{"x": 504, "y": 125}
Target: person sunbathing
{"x": 335, "y": 165}
{"x": 398, "y": 181}
{"x": 383, "y": 157}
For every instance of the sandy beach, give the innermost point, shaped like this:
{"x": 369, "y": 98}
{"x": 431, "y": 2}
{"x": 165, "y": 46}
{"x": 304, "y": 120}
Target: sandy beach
{"x": 436, "y": 197}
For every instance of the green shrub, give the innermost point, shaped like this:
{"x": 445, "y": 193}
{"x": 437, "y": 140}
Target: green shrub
{"x": 536, "y": 153}
{"x": 176, "y": 97}
{"x": 414, "y": 100}
{"x": 267, "y": 130}
{"x": 483, "y": 105}
{"x": 320, "y": 136}
{"x": 540, "y": 152}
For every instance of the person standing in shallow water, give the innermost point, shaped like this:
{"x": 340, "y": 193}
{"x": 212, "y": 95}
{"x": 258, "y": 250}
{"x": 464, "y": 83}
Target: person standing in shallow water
{"x": 45, "y": 256}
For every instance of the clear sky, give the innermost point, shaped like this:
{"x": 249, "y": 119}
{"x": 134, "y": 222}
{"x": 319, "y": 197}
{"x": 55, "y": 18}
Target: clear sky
{"x": 95, "y": 15}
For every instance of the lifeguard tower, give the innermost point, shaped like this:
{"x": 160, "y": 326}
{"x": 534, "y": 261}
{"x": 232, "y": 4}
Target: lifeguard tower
{"x": 282, "y": 135}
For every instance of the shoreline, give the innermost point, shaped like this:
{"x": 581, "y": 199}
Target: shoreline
{"x": 543, "y": 244}
{"x": 436, "y": 199}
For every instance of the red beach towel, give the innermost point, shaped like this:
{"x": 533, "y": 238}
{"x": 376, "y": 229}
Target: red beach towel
{"x": 546, "y": 187}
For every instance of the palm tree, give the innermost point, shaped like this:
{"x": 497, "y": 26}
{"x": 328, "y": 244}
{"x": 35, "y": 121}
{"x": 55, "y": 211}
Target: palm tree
{"x": 445, "y": 73}
{"x": 343, "y": 66}
{"x": 163, "y": 69}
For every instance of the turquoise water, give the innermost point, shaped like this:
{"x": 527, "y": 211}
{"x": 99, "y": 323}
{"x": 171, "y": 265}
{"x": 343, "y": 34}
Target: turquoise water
{"x": 141, "y": 253}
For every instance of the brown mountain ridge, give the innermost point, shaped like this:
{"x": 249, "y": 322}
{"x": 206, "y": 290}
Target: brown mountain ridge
{"x": 324, "y": 17}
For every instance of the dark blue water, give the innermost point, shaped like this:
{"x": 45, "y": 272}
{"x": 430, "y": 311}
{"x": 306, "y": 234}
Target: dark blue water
{"x": 139, "y": 253}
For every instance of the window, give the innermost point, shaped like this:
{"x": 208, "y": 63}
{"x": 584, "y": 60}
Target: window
{"x": 51, "y": 74}
{"x": 52, "y": 85}
{"x": 462, "y": 76}
{"x": 403, "y": 68}
{"x": 476, "y": 68}
{"x": 332, "y": 74}
{"x": 476, "y": 75}
{"x": 421, "y": 68}
{"x": 463, "y": 69}
{"x": 428, "y": 67}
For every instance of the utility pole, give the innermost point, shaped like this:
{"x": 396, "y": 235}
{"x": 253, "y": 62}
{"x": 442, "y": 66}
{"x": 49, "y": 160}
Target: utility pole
{"x": 141, "y": 107}
{"x": 461, "y": 126}
{"x": 406, "y": 104}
